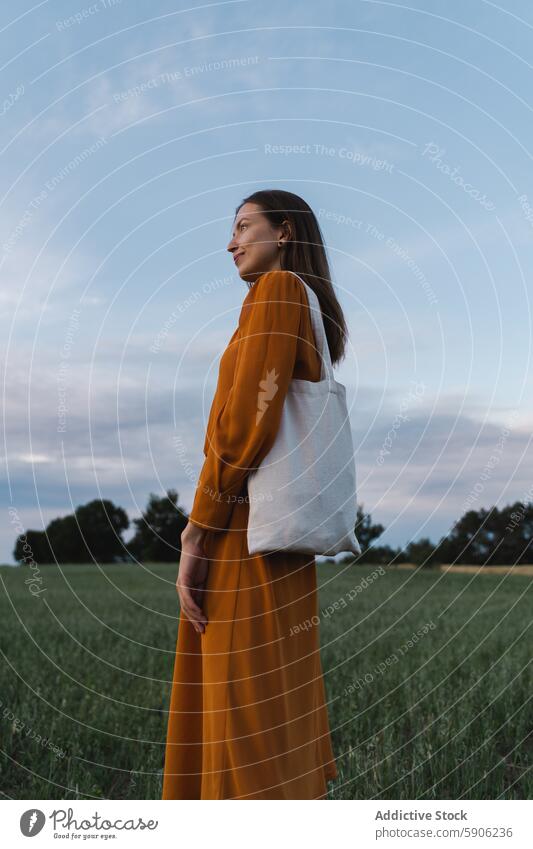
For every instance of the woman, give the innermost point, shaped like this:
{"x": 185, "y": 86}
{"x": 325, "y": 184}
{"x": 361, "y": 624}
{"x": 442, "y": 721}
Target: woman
{"x": 248, "y": 718}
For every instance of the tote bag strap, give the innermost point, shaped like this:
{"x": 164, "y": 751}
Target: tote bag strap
{"x": 321, "y": 341}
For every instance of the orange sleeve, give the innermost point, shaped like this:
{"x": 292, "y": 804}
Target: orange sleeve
{"x": 247, "y": 423}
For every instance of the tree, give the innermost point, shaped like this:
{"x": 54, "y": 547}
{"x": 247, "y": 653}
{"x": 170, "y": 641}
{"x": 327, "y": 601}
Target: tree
{"x": 515, "y": 528}
{"x": 93, "y": 532}
{"x": 101, "y": 525}
{"x": 33, "y": 546}
{"x": 382, "y": 554}
{"x": 159, "y": 530}
{"x": 65, "y": 540}
{"x": 423, "y": 552}
{"x": 488, "y": 537}
{"x": 365, "y": 531}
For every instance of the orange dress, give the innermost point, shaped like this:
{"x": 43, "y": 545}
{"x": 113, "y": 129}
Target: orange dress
{"x": 248, "y": 718}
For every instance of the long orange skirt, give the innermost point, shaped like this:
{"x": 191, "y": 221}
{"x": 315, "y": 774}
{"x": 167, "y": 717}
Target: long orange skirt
{"x": 248, "y": 718}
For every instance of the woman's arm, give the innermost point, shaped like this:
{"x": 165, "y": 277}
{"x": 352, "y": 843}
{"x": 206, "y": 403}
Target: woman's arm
{"x": 247, "y": 423}
{"x": 193, "y": 534}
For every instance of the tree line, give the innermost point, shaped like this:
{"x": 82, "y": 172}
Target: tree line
{"x": 94, "y": 533}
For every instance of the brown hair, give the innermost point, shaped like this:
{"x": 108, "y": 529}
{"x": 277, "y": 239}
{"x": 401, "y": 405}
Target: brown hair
{"x": 305, "y": 254}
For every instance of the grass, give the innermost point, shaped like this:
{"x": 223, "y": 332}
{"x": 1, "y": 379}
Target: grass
{"x": 87, "y": 667}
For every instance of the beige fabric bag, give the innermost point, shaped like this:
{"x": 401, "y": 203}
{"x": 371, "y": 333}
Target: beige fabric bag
{"x": 303, "y": 495}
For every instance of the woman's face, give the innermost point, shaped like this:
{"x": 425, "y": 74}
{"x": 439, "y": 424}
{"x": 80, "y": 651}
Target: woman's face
{"x": 254, "y": 243}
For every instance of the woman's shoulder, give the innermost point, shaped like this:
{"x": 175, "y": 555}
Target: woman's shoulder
{"x": 278, "y": 285}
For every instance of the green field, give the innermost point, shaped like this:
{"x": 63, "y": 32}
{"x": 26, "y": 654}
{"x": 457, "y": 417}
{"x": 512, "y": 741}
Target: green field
{"x": 87, "y": 666}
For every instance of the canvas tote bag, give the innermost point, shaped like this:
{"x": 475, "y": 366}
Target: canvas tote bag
{"x": 302, "y": 497}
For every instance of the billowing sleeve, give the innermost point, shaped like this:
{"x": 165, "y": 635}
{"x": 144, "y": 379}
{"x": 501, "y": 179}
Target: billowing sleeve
{"x": 247, "y": 423}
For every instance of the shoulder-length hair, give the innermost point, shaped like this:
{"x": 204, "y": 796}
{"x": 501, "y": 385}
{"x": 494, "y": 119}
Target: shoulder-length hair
{"x": 305, "y": 254}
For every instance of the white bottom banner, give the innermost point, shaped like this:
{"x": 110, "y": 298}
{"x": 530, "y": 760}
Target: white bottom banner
{"x": 357, "y": 823}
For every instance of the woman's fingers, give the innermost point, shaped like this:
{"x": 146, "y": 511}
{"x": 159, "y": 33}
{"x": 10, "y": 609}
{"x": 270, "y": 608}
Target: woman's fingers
{"x": 191, "y": 581}
{"x": 192, "y": 610}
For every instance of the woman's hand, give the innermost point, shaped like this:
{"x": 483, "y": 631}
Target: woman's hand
{"x": 192, "y": 575}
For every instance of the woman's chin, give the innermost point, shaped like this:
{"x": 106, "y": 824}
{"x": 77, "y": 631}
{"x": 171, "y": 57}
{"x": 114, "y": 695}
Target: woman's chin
{"x": 247, "y": 275}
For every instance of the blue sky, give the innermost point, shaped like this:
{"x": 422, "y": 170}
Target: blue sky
{"x": 131, "y": 131}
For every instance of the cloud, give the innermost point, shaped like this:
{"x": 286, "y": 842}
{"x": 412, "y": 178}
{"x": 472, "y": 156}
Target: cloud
{"x": 156, "y": 441}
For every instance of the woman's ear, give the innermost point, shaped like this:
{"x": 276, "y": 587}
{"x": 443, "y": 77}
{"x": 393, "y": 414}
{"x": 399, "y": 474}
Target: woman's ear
{"x": 287, "y": 229}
